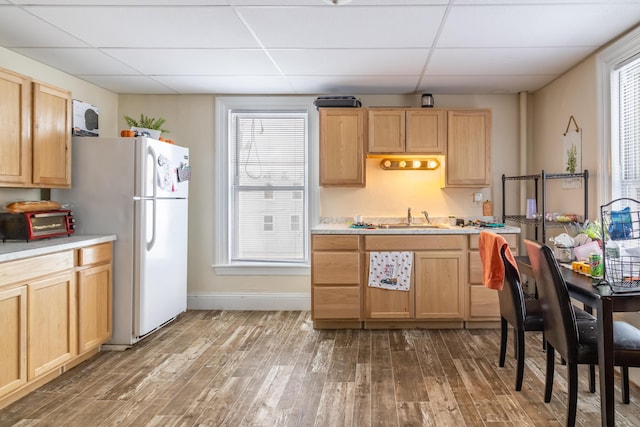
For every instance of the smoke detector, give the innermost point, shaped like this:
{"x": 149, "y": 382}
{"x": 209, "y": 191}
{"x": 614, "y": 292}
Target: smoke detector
{"x": 337, "y": 2}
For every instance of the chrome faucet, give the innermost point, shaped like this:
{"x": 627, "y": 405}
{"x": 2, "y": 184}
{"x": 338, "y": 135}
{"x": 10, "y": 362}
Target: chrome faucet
{"x": 408, "y": 216}
{"x": 426, "y": 216}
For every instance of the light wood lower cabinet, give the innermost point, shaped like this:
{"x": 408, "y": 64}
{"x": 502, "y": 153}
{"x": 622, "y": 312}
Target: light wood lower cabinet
{"x": 436, "y": 291}
{"x": 336, "y": 275}
{"x": 13, "y": 335}
{"x": 94, "y": 296}
{"x": 55, "y": 311}
{"x": 52, "y": 323}
{"x": 483, "y": 302}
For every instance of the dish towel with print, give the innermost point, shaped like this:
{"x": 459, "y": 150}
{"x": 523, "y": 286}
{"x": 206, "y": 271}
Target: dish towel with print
{"x": 489, "y": 246}
{"x": 390, "y": 270}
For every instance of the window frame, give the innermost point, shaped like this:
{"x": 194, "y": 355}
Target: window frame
{"x": 222, "y": 262}
{"x": 607, "y": 62}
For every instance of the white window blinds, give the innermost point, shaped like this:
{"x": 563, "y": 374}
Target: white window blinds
{"x": 268, "y": 178}
{"x": 626, "y": 150}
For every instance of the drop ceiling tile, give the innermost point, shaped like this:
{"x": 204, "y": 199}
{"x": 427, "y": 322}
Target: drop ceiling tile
{"x": 21, "y": 29}
{"x": 128, "y": 84}
{"x": 502, "y": 61}
{"x": 349, "y": 85}
{"x": 350, "y": 62}
{"x": 123, "y": 2}
{"x": 151, "y": 27}
{"x": 482, "y": 84}
{"x": 344, "y": 27}
{"x": 77, "y": 60}
{"x": 196, "y": 61}
{"x": 243, "y": 85}
{"x": 537, "y": 25}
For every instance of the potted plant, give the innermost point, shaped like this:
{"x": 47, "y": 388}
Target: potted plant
{"x": 149, "y": 124}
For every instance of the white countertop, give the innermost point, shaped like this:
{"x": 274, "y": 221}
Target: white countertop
{"x": 13, "y": 250}
{"x": 444, "y": 229}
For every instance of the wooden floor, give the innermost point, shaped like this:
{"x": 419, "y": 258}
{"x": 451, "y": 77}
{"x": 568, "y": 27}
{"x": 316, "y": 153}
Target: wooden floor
{"x": 226, "y": 368}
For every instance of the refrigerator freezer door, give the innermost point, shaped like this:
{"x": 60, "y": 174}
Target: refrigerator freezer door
{"x": 161, "y": 293}
{"x": 159, "y": 169}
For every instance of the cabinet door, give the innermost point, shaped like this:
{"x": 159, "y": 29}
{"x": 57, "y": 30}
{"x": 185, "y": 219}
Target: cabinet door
{"x": 94, "y": 306}
{"x": 426, "y": 131}
{"x": 52, "y": 323}
{"x": 468, "y": 162}
{"x": 386, "y": 130}
{"x": 388, "y": 304}
{"x": 342, "y": 147}
{"x": 13, "y": 335}
{"x": 438, "y": 284}
{"x": 15, "y": 129}
{"x": 51, "y": 136}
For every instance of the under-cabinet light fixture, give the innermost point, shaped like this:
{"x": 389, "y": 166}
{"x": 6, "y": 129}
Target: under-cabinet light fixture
{"x": 399, "y": 163}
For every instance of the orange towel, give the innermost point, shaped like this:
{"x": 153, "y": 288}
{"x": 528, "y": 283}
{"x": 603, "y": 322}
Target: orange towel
{"x": 489, "y": 246}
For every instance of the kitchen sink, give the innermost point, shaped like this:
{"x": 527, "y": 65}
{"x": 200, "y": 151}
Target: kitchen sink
{"x": 409, "y": 226}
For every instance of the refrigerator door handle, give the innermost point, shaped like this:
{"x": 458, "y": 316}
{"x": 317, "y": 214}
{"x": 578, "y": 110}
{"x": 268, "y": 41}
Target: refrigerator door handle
{"x": 151, "y": 243}
{"x": 154, "y": 185}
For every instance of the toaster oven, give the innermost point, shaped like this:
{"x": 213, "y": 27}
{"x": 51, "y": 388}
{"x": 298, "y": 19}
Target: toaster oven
{"x": 36, "y": 225}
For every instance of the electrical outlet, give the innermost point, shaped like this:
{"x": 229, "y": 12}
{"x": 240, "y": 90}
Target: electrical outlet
{"x": 477, "y": 197}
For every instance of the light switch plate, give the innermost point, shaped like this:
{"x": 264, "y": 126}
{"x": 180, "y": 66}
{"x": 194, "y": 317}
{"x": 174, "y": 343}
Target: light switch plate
{"x": 477, "y": 197}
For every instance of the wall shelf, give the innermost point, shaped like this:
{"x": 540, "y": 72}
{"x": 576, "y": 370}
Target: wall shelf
{"x": 541, "y": 181}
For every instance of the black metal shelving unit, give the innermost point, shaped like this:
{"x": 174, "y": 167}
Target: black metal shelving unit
{"x": 540, "y": 181}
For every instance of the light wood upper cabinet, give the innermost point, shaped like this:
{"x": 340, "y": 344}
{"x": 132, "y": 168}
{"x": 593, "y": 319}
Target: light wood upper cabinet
{"x": 342, "y": 139}
{"x": 51, "y": 136}
{"x": 13, "y": 335}
{"x": 401, "y": 130}
{"x": 15, "y": 129}
{"x": 468, "y": 161}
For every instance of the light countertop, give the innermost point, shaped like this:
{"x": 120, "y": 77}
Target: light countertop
{"x": 13, "y": 250}
{"x": 444, "y": 229}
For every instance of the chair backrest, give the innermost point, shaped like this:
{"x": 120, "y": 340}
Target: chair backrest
{"x": 511, "y": 297}
{"x": 560, "y": 327}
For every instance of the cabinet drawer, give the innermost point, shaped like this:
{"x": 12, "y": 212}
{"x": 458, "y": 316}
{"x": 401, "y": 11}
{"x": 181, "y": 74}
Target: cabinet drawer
{"x": 413, "y": 242}
{"x": 95, "y": 254}
{"x": 512, "y": 239}
{"x": 335, "y": 242}
{"x": 484, "y": 302}
{"x": 26, "y": 269}
{"x": 336, "y": 268}
{"x": 333, "y": 302}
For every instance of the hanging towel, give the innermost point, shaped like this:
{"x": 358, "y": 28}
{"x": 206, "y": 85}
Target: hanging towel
{"x": 489, "y": 246}
{"x": 390, "y": 270}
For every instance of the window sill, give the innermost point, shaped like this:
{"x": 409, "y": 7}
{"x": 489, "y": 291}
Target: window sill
{"x": 262, "y": 269}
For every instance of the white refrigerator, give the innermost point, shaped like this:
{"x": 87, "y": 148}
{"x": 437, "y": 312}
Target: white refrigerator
{"x": 137, "y": 189}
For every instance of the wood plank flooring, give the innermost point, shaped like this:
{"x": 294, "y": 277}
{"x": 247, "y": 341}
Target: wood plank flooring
{"x": 232, "y": 368}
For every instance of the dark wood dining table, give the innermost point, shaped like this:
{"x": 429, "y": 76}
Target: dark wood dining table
{"x": 605, "y": 302}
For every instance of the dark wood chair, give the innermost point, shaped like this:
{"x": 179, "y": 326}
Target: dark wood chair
{"x": 523, "y": 315}
{"x": 575, "y": 339}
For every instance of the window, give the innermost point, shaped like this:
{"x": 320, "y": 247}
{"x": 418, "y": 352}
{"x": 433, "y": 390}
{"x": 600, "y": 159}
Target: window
{"x": 625, "y": 143}
{"x": 267, "y": 186}
{"x": 227, "y": 223}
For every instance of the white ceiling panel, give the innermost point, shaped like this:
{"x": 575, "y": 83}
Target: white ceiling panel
{"x": 505, "y": 61}
{"x": 78, "y": 61}
{"x": 269, "y": 85}
{"x": 344, "y": 26}
{"x": 21, "y": 29}
{"x": 176, "y": 27}
{"x": 197, "y": 61}
{"x": 128, "y": 84}
{"x": 313, "y": 47}
{"x": 353, "y": 85}
{"x": 350, "y": 62}
{"x": 537, "y": 25}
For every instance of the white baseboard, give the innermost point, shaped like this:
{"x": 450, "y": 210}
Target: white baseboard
{"x": 248, "y": 301}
